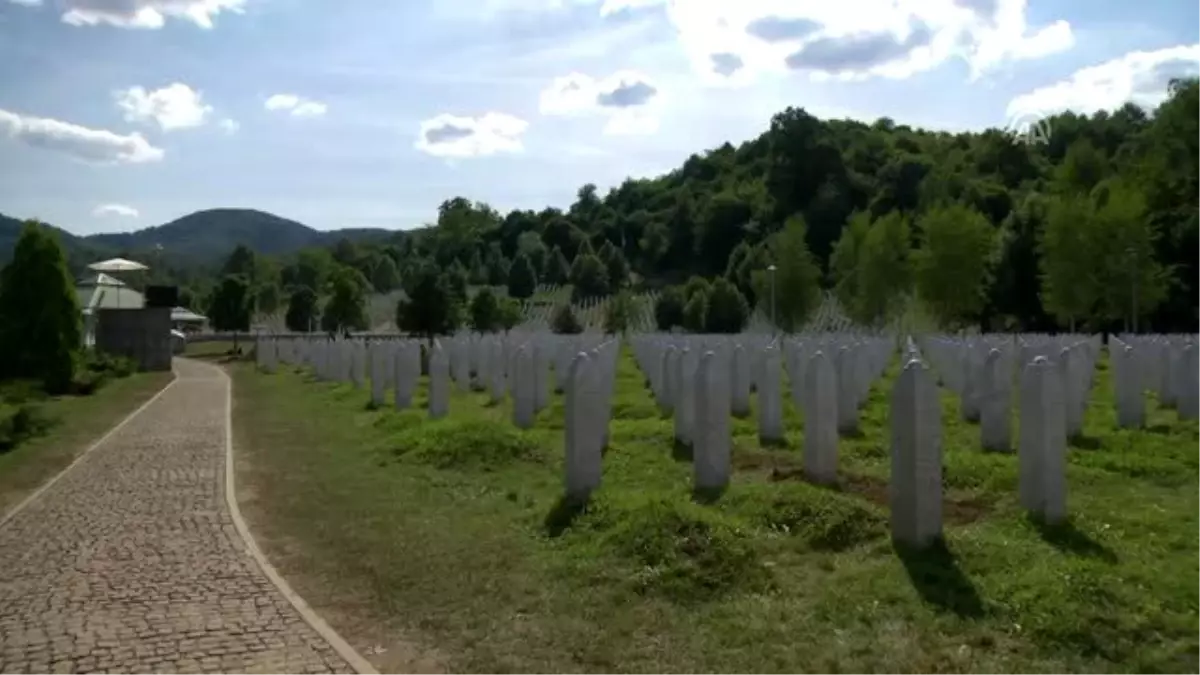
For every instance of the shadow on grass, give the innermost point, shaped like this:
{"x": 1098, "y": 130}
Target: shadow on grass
{"x": 563, "y": 514}
{"x": 852, "y": 434}
{"x": 936, "y": 576}
{"x": 1085, "y": 442}
{"x": 774, "y": 443}
{"x": 1069, "y": 539}
{"x": 680, "y": 451}
{"x": 1161, "y": 429}
{"x": 707, "y": 496}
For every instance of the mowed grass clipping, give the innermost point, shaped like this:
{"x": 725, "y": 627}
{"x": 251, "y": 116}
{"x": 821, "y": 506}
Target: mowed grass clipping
{"x": 452, "y": 536}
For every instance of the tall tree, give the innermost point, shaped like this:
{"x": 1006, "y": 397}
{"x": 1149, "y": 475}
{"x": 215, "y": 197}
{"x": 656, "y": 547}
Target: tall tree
{"x": 242, "y": 261}
{"x": 843, "y": 262}
{"x": 346, "y": 308}
{"x": 40, "y": 321}
{"x": 954, "y": 264}
{"x": 231, "y": 306}
{"x": 558, "y": 270}
{"x": 796, "y": 278}
{"x": 522, "y": 281}
{"x": 620, "y": 312}
{"x": 302, "y": 310}
{"x": 432, "y": 307}
{"x": 884, "y": 270}
{"x": 484, "y": 311}
{"x": 1069, "y": 283}
{"x": 384, "y": 274}
{"x": 668, "y": 308}
{"x": 1132, "y": 283}
{"x": 589, "y": 277}
{"x": 727, "y": 308}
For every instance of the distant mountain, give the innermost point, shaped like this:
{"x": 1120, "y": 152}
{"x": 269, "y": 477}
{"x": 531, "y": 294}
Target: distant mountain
{"x": 201, "y": 238}
{"x": 79, "y": 250}
{"x": 207, "y": 236}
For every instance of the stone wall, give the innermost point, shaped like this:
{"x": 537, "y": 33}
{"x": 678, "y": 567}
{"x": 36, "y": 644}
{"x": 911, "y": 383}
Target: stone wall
{"x": 143, "y": 335}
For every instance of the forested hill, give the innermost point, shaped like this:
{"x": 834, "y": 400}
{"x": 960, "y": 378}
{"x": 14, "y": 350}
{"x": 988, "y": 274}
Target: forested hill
{"x": 1085, "y": 228}
{"x": 199, "y": 240}
{"x": 1092, "y": 228}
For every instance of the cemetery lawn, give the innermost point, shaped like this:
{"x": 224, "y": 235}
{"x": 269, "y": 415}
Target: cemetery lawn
{"x": 213, "y": 350}
{"x": 444, "y": 545}
{"x": 76, "y": 422}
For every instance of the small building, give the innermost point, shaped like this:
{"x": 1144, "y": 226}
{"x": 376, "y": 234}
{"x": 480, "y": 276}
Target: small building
{"x": 100, "y": 291}
{"x": 185, "y": 320}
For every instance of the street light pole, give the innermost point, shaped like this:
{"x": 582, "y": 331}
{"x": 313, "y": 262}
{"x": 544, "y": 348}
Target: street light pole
{"x": 774, "y": 325}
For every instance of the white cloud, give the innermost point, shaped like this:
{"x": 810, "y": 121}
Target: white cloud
{"x": 229, "y": 125}
{"x": 115, "y": 210}
{"x": 736, "y": 43}
{"x": 27, "y": 3}
{"x": 296, "y": 105}
{"x": 148, "y": 14}
{"x": 175, "y": 106}
{"x": 309, "y": 109}
{"x": 630, "y": 100}
{"x": 1140, "y": 77}
{"x": 454, "y": 136}
{"x": 98, "y": 146}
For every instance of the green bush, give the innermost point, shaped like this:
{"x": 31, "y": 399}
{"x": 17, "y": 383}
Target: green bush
{"x": 466, "y": 444}
{"x": 95, "y": 369}
{"x": 683, "y": 551}
{"x": 19, "y": 423}
{"x": 822, "y": 518}
{"x": 109, "y": 364}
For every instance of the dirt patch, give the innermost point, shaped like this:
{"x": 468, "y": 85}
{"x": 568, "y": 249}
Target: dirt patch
{"x": 956, "y": 510}
{"x": 773, "y": 461}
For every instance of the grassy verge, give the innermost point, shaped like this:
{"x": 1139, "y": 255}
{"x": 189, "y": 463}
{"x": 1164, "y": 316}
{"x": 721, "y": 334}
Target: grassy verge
{"x": 75, "y": 423}
{"x": 216, "y": 350}
{"x": 445, "y": 542}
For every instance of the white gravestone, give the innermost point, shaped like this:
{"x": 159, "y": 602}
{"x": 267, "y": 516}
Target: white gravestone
{"x": 915, "y": 488}
{"x": 1042, "y": 450}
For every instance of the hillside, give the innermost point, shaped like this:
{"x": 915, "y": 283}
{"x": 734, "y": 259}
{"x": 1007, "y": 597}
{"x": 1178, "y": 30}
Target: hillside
{"x": 208, "y": 236}
{"x": 199, "y": 240}
{"x": 1095, "y": 227}
{"x": 79, "y": 250}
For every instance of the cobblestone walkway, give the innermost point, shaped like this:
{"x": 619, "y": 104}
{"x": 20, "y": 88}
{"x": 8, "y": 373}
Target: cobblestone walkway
{"x": 131, "y": 562}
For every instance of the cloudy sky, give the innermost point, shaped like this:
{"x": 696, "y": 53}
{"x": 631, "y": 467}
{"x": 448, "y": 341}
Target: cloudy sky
{"x": 121, "y": 114}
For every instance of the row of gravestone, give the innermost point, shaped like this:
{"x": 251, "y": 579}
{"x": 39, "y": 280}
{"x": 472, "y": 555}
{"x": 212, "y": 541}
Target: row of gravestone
{"x": 830, "y": 377}
{"x": 703, "y": 380}
{"x": 981, "y": 371}
{"x": 703, "y": 396}
{"x": 518, "y": 365}
{"x": 1164, "y": 364}
{"x": 828, "y": 390}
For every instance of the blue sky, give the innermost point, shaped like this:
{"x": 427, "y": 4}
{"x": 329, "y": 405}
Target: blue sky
{"x": 122, "y": 114}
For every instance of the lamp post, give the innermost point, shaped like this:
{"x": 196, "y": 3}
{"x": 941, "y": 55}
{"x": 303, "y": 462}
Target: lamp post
{"x": 771, "y": 272}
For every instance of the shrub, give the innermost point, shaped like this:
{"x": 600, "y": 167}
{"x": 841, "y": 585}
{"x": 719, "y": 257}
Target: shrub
{"x": 19, "y": 423}
{"x": 565, "y": 322}
{"x": 466, "y": 444}
{"x": 684, "y": 551}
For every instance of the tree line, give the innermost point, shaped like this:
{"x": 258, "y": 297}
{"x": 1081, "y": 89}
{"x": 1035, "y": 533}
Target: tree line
{"x": 1095, "y": 228}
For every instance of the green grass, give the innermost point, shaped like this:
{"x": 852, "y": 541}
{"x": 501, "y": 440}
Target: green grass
{"x": 448, "y": 541}
{"x": 215, "y": 350}
{"x": 75, "y": 422}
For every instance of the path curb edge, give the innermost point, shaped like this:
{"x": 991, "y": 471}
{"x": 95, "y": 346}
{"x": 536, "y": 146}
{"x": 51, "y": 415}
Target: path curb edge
{"x": 343, "y": 648}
